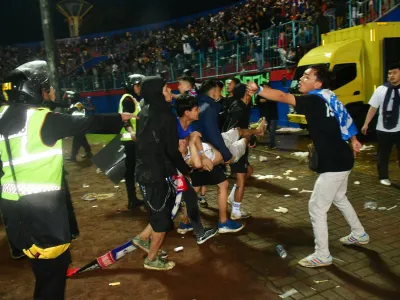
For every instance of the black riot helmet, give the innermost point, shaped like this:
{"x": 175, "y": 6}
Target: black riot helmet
{"x": 24, "y": 85}
{"x": 133, "y": 80}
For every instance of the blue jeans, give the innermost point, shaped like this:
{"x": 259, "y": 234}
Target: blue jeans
{"x": 271, "y": 127}
{"x": 259, "y": 60}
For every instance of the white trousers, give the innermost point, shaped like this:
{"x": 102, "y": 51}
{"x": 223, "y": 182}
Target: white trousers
{"x": 236, "y": 147}
{"x": 330, "y": 188}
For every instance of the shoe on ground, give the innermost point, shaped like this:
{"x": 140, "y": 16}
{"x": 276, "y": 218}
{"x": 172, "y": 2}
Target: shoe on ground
{"x": 353, "y": 239}
{"x": 240, "y": 215}
{"x": 208, "y": 234}
{"x": 145, "y": 246}
{"x": 87, "y": 155}
{"x": 159, "y": 264}
{"x": 229, "y": 226}
{"x": 386, "y": 182}
{"x": 313, "y": 261}
{"x": 184, "y": 228}
{"x": 203, "y": 201}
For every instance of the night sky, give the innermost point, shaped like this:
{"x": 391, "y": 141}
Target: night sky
{"x": 20, "y": 19}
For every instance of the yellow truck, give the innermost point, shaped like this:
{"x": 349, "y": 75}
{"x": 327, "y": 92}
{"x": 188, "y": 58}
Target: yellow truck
{"x": 358, "y": 57}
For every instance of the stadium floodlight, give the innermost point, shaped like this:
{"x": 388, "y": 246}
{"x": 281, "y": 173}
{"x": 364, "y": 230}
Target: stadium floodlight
{"x": 74, "y": 11}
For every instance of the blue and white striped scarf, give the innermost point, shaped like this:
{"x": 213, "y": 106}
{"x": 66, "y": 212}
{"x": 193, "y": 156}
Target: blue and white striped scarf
{"x": 347, "y": 126}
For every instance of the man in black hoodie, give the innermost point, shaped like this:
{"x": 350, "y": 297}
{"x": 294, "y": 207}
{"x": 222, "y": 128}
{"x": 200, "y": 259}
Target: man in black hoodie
{"x": 157, "y": 160}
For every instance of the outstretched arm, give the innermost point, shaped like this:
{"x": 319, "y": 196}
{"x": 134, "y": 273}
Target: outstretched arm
{"x": 270, "y": 94}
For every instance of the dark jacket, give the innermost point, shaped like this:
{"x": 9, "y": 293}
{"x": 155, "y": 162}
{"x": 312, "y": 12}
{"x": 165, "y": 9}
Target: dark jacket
{"x": 208, "y": 125}
{"x": 157, "y": 155}
{"x": 238, "y": 116}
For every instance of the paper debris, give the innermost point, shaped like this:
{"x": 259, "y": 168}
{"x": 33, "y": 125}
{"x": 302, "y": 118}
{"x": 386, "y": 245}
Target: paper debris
{"x": 262, "y": 177}
{"x": 85, "y": 185}
{"x": 263, "y": 158}
{"x": 177, "y": 249}
{"x": 281, "y": 209}
{"x": 357, "y": 182}
{"x": 95, "y": 196}
{"x": 94, "y": 206}
{"x": 289, "y": 129}
{"x": 116, "y": 186}
{"x": 366, "y": 147}
{"x": 98, "y": 171}
{"x": 288, "y": 293}
{"x": 287, "y": 196}
{"x": 253, "y": 157}
{"x": 258, "y": 196}
{"x": 382, "y": 208}
{"x": 320, "y": 281}
{"x": 289, "y": 171}
{"x": 305, "y": 191}
{"x": 278, "y": 157}
{"x": 390, "y": 208}
{"x": 114, "y": 283}
{"x": 123, "y": 180}
{"x": 313, "y": 289}
{"x": 300, "y": 154}
{"x": 338, "y": 286}
{"x": 370, "y": 205}
{"x": 294, "y": 189}
{"x": 291, "y": 178}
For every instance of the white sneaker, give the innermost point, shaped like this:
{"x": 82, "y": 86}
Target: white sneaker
{"x": 313, "y": 261}
{"x": 386, "y": 182}
{"x": 241, "y": 214}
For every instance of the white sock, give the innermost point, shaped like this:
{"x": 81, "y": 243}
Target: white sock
{"x": 232, "y": 194}
{"x": 236, "y": 207}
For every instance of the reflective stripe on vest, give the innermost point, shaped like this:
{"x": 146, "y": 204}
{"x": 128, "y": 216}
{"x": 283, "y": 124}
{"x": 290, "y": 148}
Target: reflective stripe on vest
{"x": 125, "y": 135}
{"x": 38, "y": 167}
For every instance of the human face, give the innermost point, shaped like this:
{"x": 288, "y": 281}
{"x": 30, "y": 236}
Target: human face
{"x": 394, "y": 76}
{"x": 167, "y": 93}
{"x": 193, "y": 114}
{"x": 308, "y": 82}
{"x": 182, "y": 147}
{"x": 218, "y": 93}
{"x": 136, "y": 89}
{"x": 184, "y": 86}
{"x": 231, "y": 86}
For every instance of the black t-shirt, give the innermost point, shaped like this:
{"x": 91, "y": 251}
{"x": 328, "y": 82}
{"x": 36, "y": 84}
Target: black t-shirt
{"x": 334, "y": 154}
{"x": 268, "y": 109}
{"x": 238, "y": 116}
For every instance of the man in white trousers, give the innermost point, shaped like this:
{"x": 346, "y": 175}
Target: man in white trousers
{"x": 330, "y": 127}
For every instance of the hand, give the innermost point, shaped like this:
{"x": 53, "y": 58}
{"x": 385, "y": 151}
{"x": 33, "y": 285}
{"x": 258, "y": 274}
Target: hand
{"x": 127, "y": 116}
{"x": 231, "y": 160}
{"x": 196, "y": 134}
{"x": 364, "y": 129}
{"x": 356, "y": 145}
{"x": 207, "y": 164}
{"x": 253, "y": 146}
{"x": 252, "y": 88}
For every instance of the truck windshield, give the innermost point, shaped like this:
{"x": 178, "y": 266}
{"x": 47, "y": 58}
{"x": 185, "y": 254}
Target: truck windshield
{"x": 298, "y": 74}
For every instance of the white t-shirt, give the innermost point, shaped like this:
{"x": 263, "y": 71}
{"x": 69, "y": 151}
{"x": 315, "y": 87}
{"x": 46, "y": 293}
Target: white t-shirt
{"x": 376, "y": 101}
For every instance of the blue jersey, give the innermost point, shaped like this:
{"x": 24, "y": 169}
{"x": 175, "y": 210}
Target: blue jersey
{"x": 182, "y": 133}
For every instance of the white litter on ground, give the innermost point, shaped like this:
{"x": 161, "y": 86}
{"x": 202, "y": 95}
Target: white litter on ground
{"x": 94, "y": 206}
{"x": 367, "y": 147}
{"x": 305, "y": 191}
{"x": 278, "y": 157}
{"x": 177, "y": 249}
{"x": 287, "y": 196}
{"x": 357, "y": 182}
{"x": 123, "y": 180}
{"x": 116, "y": 186}
{"x": 98, "y": 171}
{"x": 258, "y": 196}
{"x": 320, "y": 281}
{"x": 281, "y": 209}
{"x": 288, "y": 172}
{"x": 263, "y": 158}
{"x": 288, "y": 293}
{"x": 382, "y": 208}
{"x": 390, "y": 208}
{"x": 291, "y": 178}
{"x": 85, "y": 185}
{"x": 289, "y": 129}
{"x": 300, "y": 154}
{"x": 294, "y": 189}
{"x": 370, "y": 205}
{"x": 262, "y": 177}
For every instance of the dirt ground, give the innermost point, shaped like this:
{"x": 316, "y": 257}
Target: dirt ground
{"x": 210, "y": 271}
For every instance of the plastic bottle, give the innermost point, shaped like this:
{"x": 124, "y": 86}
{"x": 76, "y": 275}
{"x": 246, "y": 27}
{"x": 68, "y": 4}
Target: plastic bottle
{"x": 282, "y": 253}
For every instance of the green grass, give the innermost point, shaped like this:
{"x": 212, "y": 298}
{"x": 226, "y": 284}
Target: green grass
{"x": 100, "y": 138}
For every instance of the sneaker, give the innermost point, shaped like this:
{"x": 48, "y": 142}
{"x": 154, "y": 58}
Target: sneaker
{"x": 208, "y": 234}
{"x": 241, "y": 214}
{"x": 184, "y": 228}
{"x": 313, "y": 261}
{"x": 159, "y": 264}
{"x": 87, "y": 155}
{"x": 203, "y": 201}
{"x": 229, "y": 226}
{"x": 71, "y": 159}
{"x": 385, "y": 182}
{"x": 145, "y": 246}
{"x": 353, "y": 239}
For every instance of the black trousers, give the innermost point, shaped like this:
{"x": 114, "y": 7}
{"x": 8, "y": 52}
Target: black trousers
{"x": 130, "y": 164}
{"x": 386, "y": 141}
{"x": 78, "y": 142}
{"x": 192, "y": 207}
{"x": 73, "y": 224}
{"x": 50, "y": 275}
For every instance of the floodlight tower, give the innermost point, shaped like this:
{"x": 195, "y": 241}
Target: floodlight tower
{"x": 74, "y": 11}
